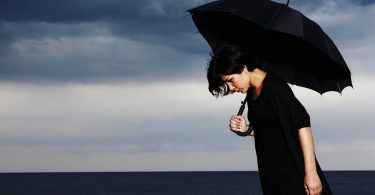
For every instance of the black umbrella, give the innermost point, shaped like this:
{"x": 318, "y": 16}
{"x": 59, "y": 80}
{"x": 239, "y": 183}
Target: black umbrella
{"x": 294, "y": 47}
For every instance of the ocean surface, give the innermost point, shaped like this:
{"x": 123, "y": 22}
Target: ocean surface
{"x": 176, "y": 183}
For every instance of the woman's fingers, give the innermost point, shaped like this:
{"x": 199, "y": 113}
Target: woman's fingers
{"x": 235, "y": 118}
{"x": 236, "y": 123}
{"x": 234, "y": 126}
{"x": 315, "y": 191}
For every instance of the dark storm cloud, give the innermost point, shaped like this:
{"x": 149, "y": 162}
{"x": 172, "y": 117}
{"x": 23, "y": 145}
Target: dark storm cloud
{"x": 163, "y": 24}
{"x": 364, "y": 2}
{"x": 69, "y": 10}
{"x": 317, "y": 3}
{"x": 161, "y": 30}
{"x": 82, "y": 10}
{"x": 148, "y": 20}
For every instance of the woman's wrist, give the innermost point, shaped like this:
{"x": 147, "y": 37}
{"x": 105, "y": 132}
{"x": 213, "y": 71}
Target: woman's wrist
{"x": 310, "y": 172}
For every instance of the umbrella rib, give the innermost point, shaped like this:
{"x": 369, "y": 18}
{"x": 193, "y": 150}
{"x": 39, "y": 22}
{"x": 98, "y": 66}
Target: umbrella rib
{"x": 273, "y": 17}
{"x": 338, "y": 85}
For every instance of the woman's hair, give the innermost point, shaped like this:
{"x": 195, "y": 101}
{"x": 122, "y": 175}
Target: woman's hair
{"x": 229, "y": 60}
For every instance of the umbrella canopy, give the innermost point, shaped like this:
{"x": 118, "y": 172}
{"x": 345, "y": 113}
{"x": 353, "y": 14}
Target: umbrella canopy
{"x": 294, "y": 47}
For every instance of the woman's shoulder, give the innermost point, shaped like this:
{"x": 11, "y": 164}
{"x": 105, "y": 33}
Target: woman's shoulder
{"x": 276, "y": 87}
{"x": 273, "y": 82}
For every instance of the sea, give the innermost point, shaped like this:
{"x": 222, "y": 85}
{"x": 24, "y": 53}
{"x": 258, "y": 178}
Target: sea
{"x": 174, "y": 183}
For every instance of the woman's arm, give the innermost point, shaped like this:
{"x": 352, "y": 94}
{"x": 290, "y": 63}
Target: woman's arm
{"x": 311, "y": 180}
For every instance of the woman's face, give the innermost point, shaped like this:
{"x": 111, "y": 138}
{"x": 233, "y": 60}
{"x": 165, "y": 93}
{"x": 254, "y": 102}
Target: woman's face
{"x": 237, "y": 82}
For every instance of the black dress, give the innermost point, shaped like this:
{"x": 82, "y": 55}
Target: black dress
{"x": 276, "y": 164}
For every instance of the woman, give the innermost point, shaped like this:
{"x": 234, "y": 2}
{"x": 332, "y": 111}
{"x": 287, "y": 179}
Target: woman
{"x": 281, "y": 126}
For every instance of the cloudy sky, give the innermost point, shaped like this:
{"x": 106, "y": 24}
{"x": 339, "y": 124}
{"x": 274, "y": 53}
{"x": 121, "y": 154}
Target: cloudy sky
{"x": 120, "y": 86}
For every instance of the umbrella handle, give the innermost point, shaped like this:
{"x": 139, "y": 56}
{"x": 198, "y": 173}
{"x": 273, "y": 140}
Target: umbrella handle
{"x": 242, "y": 108}
{"x": 287, "y": 3}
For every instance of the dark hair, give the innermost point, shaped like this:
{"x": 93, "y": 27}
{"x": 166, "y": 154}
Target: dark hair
{"x": 229, "y": 60}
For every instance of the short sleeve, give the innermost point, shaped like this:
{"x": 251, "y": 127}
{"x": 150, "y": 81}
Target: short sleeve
{"x": 291, "y": 107}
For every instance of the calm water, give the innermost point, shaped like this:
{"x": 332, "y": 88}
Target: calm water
{"x": 242, "y": 182}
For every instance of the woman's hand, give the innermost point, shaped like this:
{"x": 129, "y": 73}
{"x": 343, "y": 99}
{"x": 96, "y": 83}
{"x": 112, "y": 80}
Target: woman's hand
{"x": 313, "y": 185}
{"x": 238, "y": 123}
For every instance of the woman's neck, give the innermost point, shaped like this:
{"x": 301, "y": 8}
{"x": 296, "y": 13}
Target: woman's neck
{"x": 256, "y": 78}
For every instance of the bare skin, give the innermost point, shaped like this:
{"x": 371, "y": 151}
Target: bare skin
{"x": 241, "y": 83}
{"x": 312, "y": 181}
